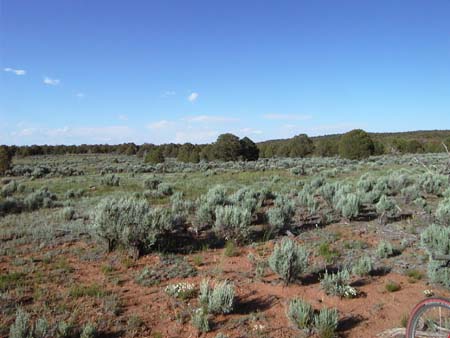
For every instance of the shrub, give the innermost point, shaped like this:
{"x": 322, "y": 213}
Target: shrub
{"x": 165, "y": 189}
{"x": 337, "y": 284}
{"x": 9, "y": 189}
{"x": 130, "y": 222}
{"x": 280, "y": 216}
{"x": 387, "y": 206}
{"x": 41, "y": 198}
{"x": 89, "y": 331}
{"x": 206, "y": 205}
{"x": 363, "y": 266}
{"x": 288, "y": 260}
{"x": 219, "y": 299}
{"x": 111, "y": 180}
{"x": 181, "y": 290}
{"x": 356, "y": 144}
{"x": 384, "y": 249}
{"x": 326, "y": 323}
{"x": 232, "y": 222}
{"x": 67, "y": 213}
{"x": 200, "y": 320}
{"x": 443, "y": 212}
{"x": 328, "y": 253}
{"x": 151, "y": 183}
{"x": 21, "y": 328}
{"x": 436, "y": 240}
{"x": 433, "y": 183}
{"x": 348, "y": 205}
{"x": 300, "y": 313}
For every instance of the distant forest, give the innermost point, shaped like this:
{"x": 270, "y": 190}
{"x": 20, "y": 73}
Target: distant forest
{"x": 228, "y": 147}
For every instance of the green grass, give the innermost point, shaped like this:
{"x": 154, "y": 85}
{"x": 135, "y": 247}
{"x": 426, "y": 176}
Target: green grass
{"x": 392, "y": 286}
{"x": 12, "y": 281}
{"x": 329, "y": 254}
{"x": 93, "y": 290}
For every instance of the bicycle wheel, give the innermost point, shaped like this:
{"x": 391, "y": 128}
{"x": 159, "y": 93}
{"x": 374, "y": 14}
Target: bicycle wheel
{"x": 430, "y": 318}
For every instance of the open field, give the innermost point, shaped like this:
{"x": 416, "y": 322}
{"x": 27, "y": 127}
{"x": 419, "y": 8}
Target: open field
{"x": 102, "y": 242}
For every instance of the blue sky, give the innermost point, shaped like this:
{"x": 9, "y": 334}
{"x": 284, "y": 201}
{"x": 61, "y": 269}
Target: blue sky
{"x": 83, "y": 71}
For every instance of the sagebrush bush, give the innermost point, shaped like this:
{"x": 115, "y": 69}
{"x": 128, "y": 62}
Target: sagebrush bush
{"x": 337, "y": 284}
{"x": 326, "y": 323}
{"x": 280, "y": 216}
{"x": 443, "y": 212}
{"x": 363, "y": 266}
{"x": 21, "y": 328}
{"x": 111, "y": 180}
{"x": 200, "y": 320}
{"x": 89, "y": 331}
{"x": 387, "y": 206}
{"x": 218, "y": 299}
{"x": 67, "y": 213}
{"x": 433, "y": 183}
{"x": 288, "y": 260}
{"x": 436, "y": 240}
{"x": 41, "y": 198}
{"x": 130, "y": 222}
{"x": 165, "y": 189}
{"x": 348, "y": 205}
{"x": 232, "y": 222}
{"x": 300, "y": 313}
{"x": 384, "y": 249}
{"x": 9, "y": 189}
{"x": 206, "y": 205}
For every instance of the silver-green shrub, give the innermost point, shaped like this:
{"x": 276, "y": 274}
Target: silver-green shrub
{"x": 218, "y": 299}
{"x": 280, "y": 216}
{"x": 89, "y": 331}
{"x": 21, "y": 328}
{"x": 337, "y": 284}
{"x": 41, "y": 198}
{"x": 9, "y": 189}
{"x": 387, "y": 206}
{"x": 200, "y": 320}
{"x": 443, "y": 212}
{"x": 300, "y": 313}
{"x": 348, "y": 205}
{"x": 288, "y": 260}
{"x": 363, "y": 266}
{"x": 232, "y": 223}
{"x": 384, "y": 249}
{"x": 111, "y": 180}
{"x": 326, "y": 323}
{"x": 433, "y": 183}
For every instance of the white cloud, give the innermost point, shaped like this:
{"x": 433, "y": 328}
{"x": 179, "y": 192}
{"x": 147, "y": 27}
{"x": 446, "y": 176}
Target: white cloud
{"x": 250, "y": 131}
{"x": 193, "y": 97}
{"x": 15, "y": 71}
{"x": 51, "y": 82}
{"x": 196, "y": 136}
{"x": 75, "y": 135}
{"x": 159, "y": 125}
{"x": 210, "y": 118}
{"x": 332, "y": 128}
{"x": 287, "y": 117}
{"x": 122, "y": 117}
{"x": 79, "y": 95}
{"x": 168, "y": 93}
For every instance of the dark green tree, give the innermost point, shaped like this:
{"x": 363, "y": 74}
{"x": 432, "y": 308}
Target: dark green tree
{"x": 249, "y": 150}
{"x": 356, "y": 144}
{"x": 188, "y": 153}
{"x": 227, "y": 148}
{"x": 154, "y": 156}
{"x": 326, "y": 147}
{"x": 5, "y": 159}
{"x": 300, "y": 146}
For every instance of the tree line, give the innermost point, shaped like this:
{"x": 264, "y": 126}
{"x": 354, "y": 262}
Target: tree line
{"x": 356, "y": 144}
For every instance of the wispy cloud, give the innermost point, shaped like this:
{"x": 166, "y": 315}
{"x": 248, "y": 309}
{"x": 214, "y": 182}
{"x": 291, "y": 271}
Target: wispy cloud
{"x": 80, "y": 95}
{"x": 168, "y": 93}
{"x": 15, "y": 71}
{"x": 123, "y": 117}
{"x": 287, "y": 117}
{"x": 159, "y": 125}
{"x": 250, "y": 131}
{"x": 210, "y": 118}
{"x": 51, "y": 82}
{"x": 193, "y": 97}
{"x": 196, "y": 136}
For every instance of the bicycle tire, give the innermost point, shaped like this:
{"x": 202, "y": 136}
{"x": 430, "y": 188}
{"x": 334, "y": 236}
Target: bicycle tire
{"x": 420, "y": 308}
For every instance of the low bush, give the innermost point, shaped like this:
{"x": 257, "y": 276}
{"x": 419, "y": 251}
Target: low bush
{"x": 200, "y": 320}
{"x": 232, "y": 223}
{"x": 288, "y": 260}
{"x": 337, "y": 284}
{"x": 218, "y": 299}
{"x": 326, "y": 323}
{"x": 443, "y": 212}
{"x": 300, "y": 313}
{"x": 363, "y": 266}
{"x": 384, "y": 249}
{"x": 111, "y": 180}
